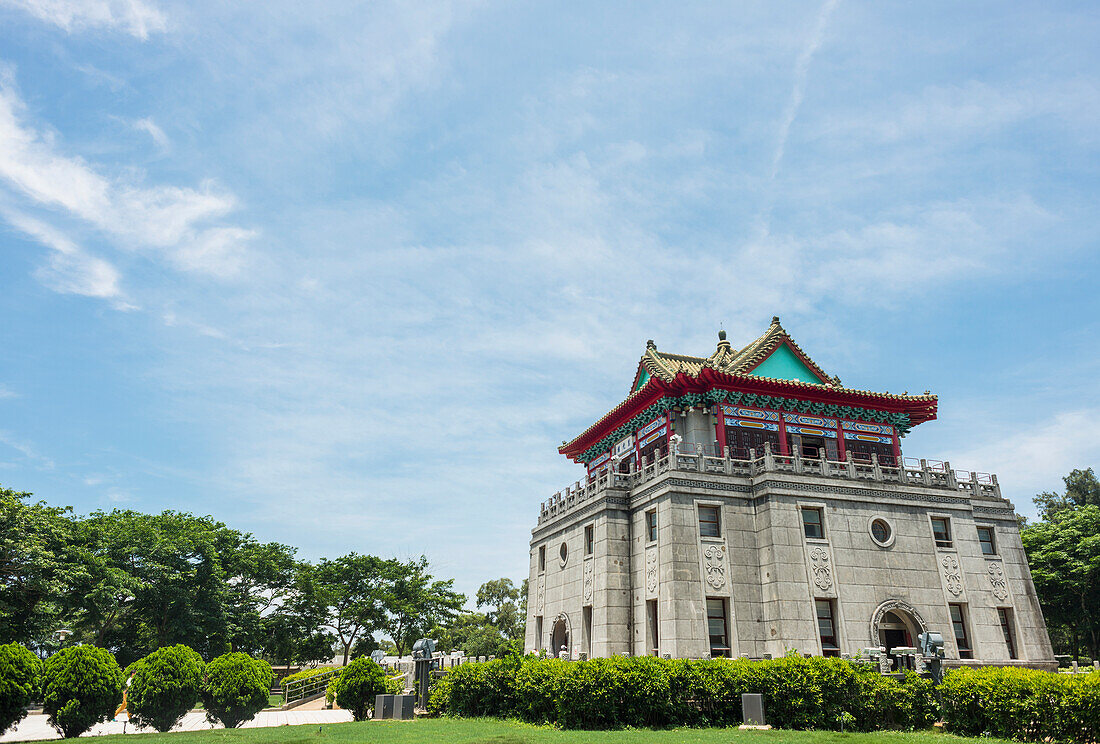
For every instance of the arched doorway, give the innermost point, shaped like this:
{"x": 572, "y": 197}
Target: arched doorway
{"x": 559, "y": 634}
{"x": 896, "y": 624}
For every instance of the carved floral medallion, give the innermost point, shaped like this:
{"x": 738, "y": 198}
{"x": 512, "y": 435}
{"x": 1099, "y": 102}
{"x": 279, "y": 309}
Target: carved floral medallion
{"x": 714, "y": 562}
{"x": 822, "y": 570}
{"x": 997, "y": 581}
{"x": 952, "y": 575}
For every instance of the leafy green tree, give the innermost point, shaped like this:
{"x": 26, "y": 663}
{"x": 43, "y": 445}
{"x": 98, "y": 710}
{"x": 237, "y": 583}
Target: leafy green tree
{"x": 1082, "y": 489}
{"x": 19, "y": 678}
{"x": 1064, "y": 553}
{"x": 165, "y": 685}
{"x": 354, "y": 591}
{"x": 235, "y": 688}
{"x": 151, "y": 580}
{"x": 358, "y": 685}
{"x": 260, "y": 580}
{"x": 505, "y": 615}
{"x": 81, "y": 686}
{"x": 416, "y": 601}
{"x": 35, "y": 563}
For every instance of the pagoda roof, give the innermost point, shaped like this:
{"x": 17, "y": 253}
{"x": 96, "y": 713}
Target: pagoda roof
{"x": 772, "y": 365}
{"x": 666, "y": 366}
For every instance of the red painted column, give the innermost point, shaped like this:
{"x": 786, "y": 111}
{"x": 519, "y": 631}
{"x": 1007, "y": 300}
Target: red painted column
{"x": 897, "y": 447}
{"x": 720, "y": 430}
{"x": 841, "y": 450}
{"x": 783, "y": 448}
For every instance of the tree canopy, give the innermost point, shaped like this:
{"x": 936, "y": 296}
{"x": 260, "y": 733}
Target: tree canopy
{"x": 1063, "y": 550}
{"x": 132, "y": 583}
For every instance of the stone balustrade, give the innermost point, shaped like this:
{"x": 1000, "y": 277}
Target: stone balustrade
{"x": 692, "y": 458}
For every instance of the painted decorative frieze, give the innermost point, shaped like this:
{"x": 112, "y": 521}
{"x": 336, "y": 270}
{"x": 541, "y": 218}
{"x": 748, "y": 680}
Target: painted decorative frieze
{"x": 589, "y": 579}
{"x": 952, "y": 576}
{"x": 651, "y": 571}
{"x": 714, "y": 566}
{"x": 997, "y": 581}
{"x": 821, "y": 568}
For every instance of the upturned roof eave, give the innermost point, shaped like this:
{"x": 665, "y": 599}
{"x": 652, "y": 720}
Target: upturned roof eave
{"x": 920, "y": 408}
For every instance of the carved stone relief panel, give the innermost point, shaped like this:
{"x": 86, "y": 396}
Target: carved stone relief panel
{"x": 821, "y": 569}
{"x": 589, "y": 580}
{"x": 540, "y": 594}
{"x": 997, "y": 581}
{"x": 714, "y": 567}
{"x": 651, "y": 571}
{"x": 952, "y": 574}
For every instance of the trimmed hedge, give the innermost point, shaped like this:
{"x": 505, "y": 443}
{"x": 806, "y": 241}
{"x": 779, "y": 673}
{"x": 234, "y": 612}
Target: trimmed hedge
{"x": 359, "y": 683}
{"x": 165, "y": 685}
{"x": 19, "y": 675}
{"x": 235, "y": 688}
{"x": 1024, "y": 704}
{"x": 305, "y": 674}
{"x": 394, "y": 686}
{"x": 798, "y": 693}
{"x": 81, "y": 686}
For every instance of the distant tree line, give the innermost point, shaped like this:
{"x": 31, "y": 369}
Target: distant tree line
{"x": 1063, "y": 549}
{"x": 132, "y": 583}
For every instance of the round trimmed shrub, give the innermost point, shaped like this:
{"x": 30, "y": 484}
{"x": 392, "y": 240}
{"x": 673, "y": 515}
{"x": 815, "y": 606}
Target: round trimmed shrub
{"x": 81, "y": 686}
{"x": 19, "y": 674}
{"x": 360, "y": 681}
{"x": 165, "y": 685}
{"x": 235, "y": 688}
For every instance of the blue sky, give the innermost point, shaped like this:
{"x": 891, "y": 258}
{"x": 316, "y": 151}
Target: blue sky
{"x": 345, "y": 275}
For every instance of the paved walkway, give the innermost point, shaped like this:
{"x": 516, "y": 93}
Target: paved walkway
{"x": 35, "y": 726}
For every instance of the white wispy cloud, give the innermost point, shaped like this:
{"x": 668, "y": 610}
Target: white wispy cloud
{"x": 7, "y": 392}
{"x": 135, "y": 17}
{"x": 26, "y": 449}
{"x": 1032, "y": 458}
{"x": 69, "y": 269}
{"x": 801, "y": 73}
{"x": 151, "y": 128}
{"x": 169, "y": 218}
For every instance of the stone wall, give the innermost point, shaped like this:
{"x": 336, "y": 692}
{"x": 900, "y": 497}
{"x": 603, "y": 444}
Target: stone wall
{"x": 768, "y": 572}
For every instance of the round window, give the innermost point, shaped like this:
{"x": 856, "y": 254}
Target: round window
{"x": 881, "y": 532}
{"x": 563, "y": 551}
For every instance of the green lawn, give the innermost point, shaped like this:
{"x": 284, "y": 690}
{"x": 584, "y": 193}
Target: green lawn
{"x": 491, "y": 731}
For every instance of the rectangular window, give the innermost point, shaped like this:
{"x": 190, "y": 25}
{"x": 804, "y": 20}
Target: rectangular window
{"x": 1005, "y": 616}
{"x": 542, "y": 558}
{"x": 538, "y": 633}
{"x": 653, "y": 636}
{"x": 589, "y": 539}
{"x": 588, "y": 631}
{"x": 717, "y": 627}
{"x": 826, "y": 626}
{"x": 708, "y": 521}
{"x": 651, "y": 525}
{"x": 962, "y": 640}
{"x": 812, "y": 523}
{"x": 985, "y": 537}
{"x": 941, "y": 530}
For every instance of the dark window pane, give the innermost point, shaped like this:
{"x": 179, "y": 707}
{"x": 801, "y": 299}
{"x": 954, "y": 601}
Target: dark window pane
{"x": 880, "y": 530}
{"x": 1005, "y": 616}
{"x": 985, "y": 537}
{"x": 958, "y": 624}
{"x": 651, "y": 525}
{"x": 716, "y": 627}
{"x": 811, "y": 523}
{"x": 941, "y": 531}
{"x": 708, "y": 521}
